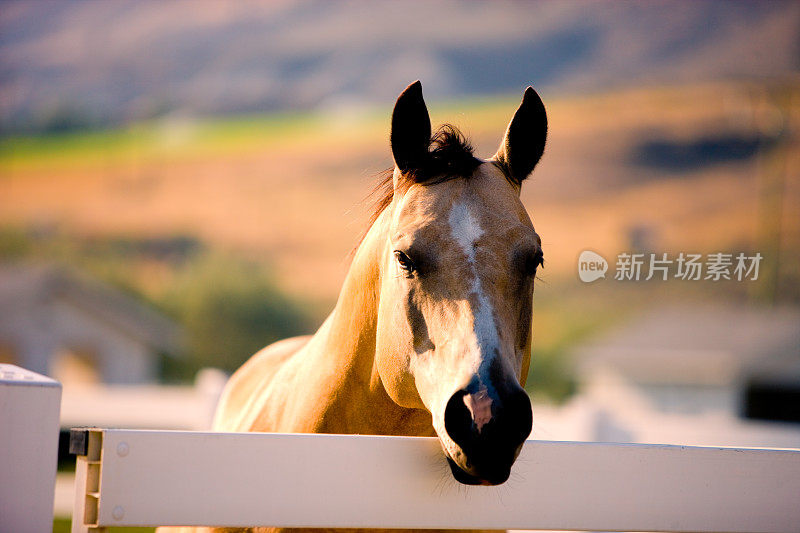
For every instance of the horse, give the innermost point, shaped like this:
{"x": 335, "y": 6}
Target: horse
{"x": 431, "y": 333}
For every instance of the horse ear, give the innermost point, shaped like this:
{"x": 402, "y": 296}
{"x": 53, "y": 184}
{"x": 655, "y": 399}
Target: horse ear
{"x": 411, "y": 128}
{"x": 523, "y": 144}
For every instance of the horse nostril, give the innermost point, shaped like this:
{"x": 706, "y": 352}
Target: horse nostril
{"x": 519, "y": 415}
{"x": 458, "y": 419}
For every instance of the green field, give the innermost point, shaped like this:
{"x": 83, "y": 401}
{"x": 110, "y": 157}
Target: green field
{"x": 62, "y": 525}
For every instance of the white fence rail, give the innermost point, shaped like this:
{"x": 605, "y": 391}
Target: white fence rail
{"x": 141, "y": 478}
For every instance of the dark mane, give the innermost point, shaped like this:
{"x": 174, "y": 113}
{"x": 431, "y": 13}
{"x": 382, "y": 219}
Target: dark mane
{"x": 450, "y": 156}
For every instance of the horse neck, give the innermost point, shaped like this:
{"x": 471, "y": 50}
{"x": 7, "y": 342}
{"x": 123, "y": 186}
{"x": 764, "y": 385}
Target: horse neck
{"x": 357, "y": 401}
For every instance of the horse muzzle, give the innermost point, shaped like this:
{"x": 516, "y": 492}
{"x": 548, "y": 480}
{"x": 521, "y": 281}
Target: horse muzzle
{"x": 489, "y": 430}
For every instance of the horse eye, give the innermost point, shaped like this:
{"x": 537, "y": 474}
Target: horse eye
{"x": 534, "y": 262}
{"x": 405, "y": 262}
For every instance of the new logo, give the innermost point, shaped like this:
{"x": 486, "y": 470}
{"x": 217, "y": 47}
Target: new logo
{"x": 591, "y": 266}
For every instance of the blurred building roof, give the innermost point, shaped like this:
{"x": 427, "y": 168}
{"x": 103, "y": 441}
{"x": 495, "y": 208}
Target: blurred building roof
{"x": 60, "y": 323}
{"x": 22, "y": 285}
{"x": 697, "y": 345}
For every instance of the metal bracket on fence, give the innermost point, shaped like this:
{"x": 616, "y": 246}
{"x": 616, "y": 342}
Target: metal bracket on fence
{"x": 87, "y": 444}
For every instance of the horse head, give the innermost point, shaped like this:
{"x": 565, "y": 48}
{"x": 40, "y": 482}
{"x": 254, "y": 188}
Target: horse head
{"x": 456, "y": 291}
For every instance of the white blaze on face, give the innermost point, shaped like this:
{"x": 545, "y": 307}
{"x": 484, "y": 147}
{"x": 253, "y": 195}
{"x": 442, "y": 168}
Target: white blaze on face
{"x": 466, "y": 231}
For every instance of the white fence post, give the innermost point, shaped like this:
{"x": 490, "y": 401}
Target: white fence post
{"x": 29, "y": 410}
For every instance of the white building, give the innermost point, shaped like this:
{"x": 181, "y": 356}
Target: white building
{"x": 688, "y": 375}
{"x": 695, "y": 359}
{"x": 76, "y": 330}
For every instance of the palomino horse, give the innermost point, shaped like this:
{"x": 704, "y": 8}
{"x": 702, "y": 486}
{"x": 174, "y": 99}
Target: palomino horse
{"x": 431, "y": 334}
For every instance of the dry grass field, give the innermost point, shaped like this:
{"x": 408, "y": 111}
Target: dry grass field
{"x": 291, "y": 190}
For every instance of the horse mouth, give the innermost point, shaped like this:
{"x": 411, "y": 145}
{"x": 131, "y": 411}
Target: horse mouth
{"x": 462, "y": 476}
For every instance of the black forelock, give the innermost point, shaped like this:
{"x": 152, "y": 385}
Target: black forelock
{"x": 450, "y": 155}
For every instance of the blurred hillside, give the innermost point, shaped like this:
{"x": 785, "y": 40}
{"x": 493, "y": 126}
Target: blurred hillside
{"x": 86, "y": 64}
